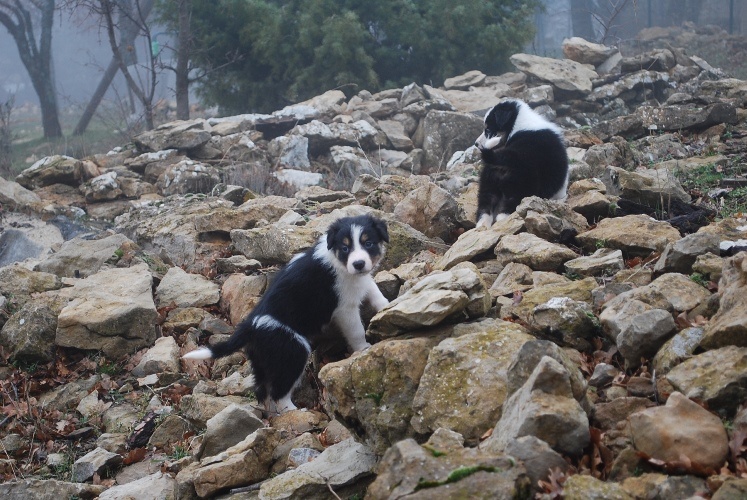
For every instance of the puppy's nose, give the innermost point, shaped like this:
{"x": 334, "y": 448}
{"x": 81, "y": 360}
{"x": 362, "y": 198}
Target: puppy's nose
{"x": 359, "y": 264}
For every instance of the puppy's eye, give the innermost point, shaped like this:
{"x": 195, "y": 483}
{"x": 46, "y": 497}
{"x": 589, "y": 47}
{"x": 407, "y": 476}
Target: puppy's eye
{"x": 344, "y": 249}
{"x": 368, "y": 244}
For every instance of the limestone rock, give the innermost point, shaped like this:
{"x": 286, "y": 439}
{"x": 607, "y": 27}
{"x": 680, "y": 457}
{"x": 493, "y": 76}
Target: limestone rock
{"x": 94, "y": 462}
{"x": 464, "y": 383}
{"x": 635, "y": 235}
{"x": 565, "y": 74}
{"x": 729, "y": 325}
{"x": 677, "y": 349}
{"x": 47, "y": 489}
{"x": 158, "y": 486}
{"x": 550, "y": 219}
{"x": 545, "y": 408}
{"x": 178, "y": 288}
{"x": 445, "y": 133}
{"x": 478, "y": 241}
{"x": 576, "y": 290}
{"x": 526, "y": 248}
{"x": 644, "y": 335}
{"x": 429, "y": 209}
{"x": 706, "y": 378}
{"x": 228, "y": 427}
{"x": 112, "y": 310}
{"x": 29, "y": 333}
{"x": 680, "y": 428}
{"x": 277, "y": 243}
{"x": 413, "y": 471}
{"x": 650, "y": 187}
{"x": 79, "y": 257}
{"x": 581, "y": 487}
{"x": 459, "y": 292}
{"x": 372, "y": 392}
{"x": 603, "y": 262}
{"x": 162, "y": 357}
{"x": 585, "y": 52}
{"x": 56, "y": 169}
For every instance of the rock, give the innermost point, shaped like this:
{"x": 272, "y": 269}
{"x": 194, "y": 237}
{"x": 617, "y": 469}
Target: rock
{"x": 570, "y": 322}
{"x": 680, "y": 256}
{"x": 680, "y": 291}
{"x": 291, "y": 151}
{"x": 162, "y": 357}
{"x": 734, "y": 488}
{"x": 565, "y": 75}
{"x": 198, "y": 408}
{"x": 464, "y": 82}
{"x": 298, "y": 421}
{"x": 644, "y": 335}
{"x": 704, "y": 378}
{"x": 94, "y": 462}
{"x": 635, "y": 235}
{"x": 169, "y": 432}
{"x": 158, "y": 486}
{"x": 82, "y": 258}
{"x": 414, "y": 471}
{"x": 48, "y": 489}
{"x": 603, "y": 262}
{"x": 464, "y": 383}
{"x": 581, "y": 487}
{"x": 677, "y": 349}
{"x": 528, "y": 356}
{"x": 112, "y": 310}
{"x": 228, "y": 427}
{"x": 526, "y": 248}
{"x": 478, "y": 241}
{"x": 679, "y": 429}
{"x": 550, "y": 219}
{"x": 178, "y": 288}
{"x": 396, "y": 135}
{"x": 188, "y": 176}
{"x": 240, "y": 294}
{"x": 576, "y": 290}
{"x": 446, "y": 133}
{"x": 16, "y": 196}
{"x": 277, "y": 243}
{"x": 29, "y": 333}
{"x": 338, "y": 466}
{"x": 729, "y": 325}
{"x": 56, "y": 169}
{"x": 429, "y": 209}
{"x": 372, "y": 392}
{"x": 585, "y": 52}
{"x": 460, "y": 292}
{"x": 650, "y": 187}
{"x": 173, "y": 135}
{"x": 323, "y": 136}
{"x": 121, "y": 418}
{"x": 603, "y": 375}
{"x": 246, "y": 462}
{"x": 297, "y": 179}
{"x": 545, "y": 408}
{"x": 537, "y": 457}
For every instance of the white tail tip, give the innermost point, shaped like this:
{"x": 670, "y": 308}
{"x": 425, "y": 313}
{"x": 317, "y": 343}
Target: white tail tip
{"x": 200, "y": 353}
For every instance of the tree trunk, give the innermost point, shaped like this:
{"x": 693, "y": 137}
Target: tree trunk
{"x": 127, "y": 39}
{"x": 581, "y": 20}
{"x": 37, "y": 60}
{"x": 182, "y": 60}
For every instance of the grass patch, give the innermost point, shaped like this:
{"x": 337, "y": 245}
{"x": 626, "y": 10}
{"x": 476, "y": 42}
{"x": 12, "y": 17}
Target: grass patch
{"x": 703, "y": 184}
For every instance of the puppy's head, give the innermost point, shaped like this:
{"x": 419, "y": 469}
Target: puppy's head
{"x": 499, "y": 122}
{"x": 358, "y": 243}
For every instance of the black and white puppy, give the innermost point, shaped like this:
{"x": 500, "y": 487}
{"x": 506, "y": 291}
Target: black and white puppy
{"x": 523, "y": 155}
{"x": 324, "y": 285}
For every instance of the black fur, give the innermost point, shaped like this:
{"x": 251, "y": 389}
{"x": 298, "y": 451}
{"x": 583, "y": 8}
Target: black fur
{"x": 301, "y": 300}
{"x": 530, "y": 162}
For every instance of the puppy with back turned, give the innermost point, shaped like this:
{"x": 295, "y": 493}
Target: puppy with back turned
{"x": 523, "y": 155}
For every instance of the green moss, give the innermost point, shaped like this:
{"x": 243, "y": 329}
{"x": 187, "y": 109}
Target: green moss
{"x": 455, "y": 476}
{"x": 377, "y": 397}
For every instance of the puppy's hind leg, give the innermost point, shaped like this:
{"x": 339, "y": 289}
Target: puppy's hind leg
{"x": 288, "y": 364}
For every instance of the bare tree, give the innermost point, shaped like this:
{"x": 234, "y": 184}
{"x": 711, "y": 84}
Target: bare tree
{"x": 183, "y": 46}
{"x": 127, "y": 39}
{"x": 132, "y": 16}
{"x": 21, "y": 18}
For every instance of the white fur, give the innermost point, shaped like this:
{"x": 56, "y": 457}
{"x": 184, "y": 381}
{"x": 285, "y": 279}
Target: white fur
{"x": 357, "y": 253}
{"x": 266, "y": 321}
{"x": 529, "y": 119}
{"x": 199, "y": 353}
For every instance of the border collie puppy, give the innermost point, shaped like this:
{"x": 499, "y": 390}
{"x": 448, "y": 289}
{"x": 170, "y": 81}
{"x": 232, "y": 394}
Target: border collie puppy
{"x": 523, "y": 155}
{"x": 326, "y": 284}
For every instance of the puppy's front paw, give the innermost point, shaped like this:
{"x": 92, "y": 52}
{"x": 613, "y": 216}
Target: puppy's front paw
{"x": 362, "y": 347}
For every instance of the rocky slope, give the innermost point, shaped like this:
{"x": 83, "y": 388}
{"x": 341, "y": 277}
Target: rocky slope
{"x": 595, "y": 348}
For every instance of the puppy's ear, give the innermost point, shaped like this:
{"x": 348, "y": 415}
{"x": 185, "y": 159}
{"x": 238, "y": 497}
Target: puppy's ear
{"x": 381, "y": 228}
{"x": 332, "y": 234}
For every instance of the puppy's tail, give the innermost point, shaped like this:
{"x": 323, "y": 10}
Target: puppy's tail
{"x": 238, "y": 340}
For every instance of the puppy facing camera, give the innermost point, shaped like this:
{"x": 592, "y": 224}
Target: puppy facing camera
{"x": 321, "y": 287}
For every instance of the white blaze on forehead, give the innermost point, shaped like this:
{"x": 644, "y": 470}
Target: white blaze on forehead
{"x": 357, "y": 252}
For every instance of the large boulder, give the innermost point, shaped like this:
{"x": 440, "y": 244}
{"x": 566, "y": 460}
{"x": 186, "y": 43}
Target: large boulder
{"x": 564, "y": 74}
{"x": 112, "y": 311}
{"x": 80, "y": 257}
{"x": 445, "y": 133}
{"x": 729, "y": 325}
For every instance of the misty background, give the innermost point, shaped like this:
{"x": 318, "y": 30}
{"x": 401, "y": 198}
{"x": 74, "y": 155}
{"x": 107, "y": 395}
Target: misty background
{"x": 81, "y": 50}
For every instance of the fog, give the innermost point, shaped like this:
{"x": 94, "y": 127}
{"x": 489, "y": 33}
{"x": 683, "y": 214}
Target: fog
{"x": 81, "y": 52}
